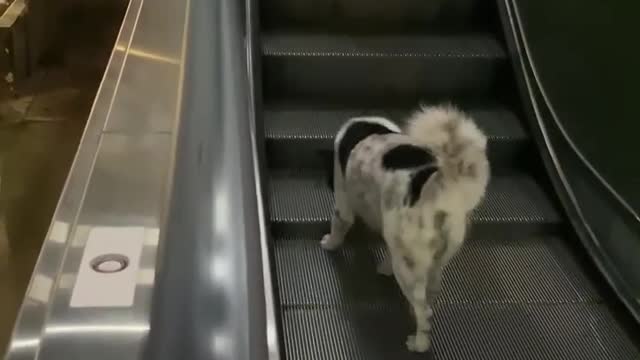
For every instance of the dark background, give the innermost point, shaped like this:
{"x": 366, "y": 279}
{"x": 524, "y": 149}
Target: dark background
{"x": 586, "y": 55}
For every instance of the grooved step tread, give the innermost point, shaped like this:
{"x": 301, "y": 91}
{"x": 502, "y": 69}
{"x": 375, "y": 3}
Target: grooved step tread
{"x": 516, "y": 199}
{"x": 314, "y": 123}
{"x": 460, "y": 331}
{"x": 486, "y": 271}
{"x": 301, "y": 135}
{"x": 427, "y": 46}
{"x": 380, "y": 68}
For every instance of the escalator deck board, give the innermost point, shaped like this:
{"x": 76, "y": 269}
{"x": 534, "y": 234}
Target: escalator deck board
{"x": 460, "y": 331}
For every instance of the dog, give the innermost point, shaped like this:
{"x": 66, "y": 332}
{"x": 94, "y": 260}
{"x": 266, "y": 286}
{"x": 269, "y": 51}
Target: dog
{"x": 416, "y": 188}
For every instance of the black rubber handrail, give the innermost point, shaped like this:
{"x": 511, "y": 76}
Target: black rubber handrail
{"x": 535, "y": 96}
{"x": 526, "y": 53}
{"x": 209, "y": 297}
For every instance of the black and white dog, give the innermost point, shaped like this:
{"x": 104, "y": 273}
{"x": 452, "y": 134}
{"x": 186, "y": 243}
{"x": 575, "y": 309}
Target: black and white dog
{"x": 416, "y": 188}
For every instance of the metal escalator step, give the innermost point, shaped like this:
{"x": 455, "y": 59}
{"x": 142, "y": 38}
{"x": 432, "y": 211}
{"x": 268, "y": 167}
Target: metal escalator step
{"x": 460, "y": 331}
{"x": 301, "y": 136}
{"x": 344, "y": 67}
{"x": 515, "y": 205}
{"x": 375, "y": 17}
{"x": 486, "y": 271}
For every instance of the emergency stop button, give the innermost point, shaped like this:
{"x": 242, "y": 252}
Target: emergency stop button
{"x": 109, "y": 263}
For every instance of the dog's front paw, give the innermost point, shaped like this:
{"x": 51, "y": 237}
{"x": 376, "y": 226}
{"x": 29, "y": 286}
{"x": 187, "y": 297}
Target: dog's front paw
{"x": 419, "y": 342}
{"x": 328, "y": 243}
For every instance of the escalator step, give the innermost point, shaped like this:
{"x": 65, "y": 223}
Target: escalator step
{"x": 486, "y": 271}
{"x": 460, "y": 331}
{"x": 385, "y": 68}
{"x": 301, "y": 136}
{"x": 515, "y": 205}
{"x": 375, "y": 17}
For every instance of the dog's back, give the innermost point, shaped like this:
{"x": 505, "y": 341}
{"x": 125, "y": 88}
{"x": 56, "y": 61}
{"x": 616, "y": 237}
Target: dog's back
{"x": 438, "y": 164}
{"x": 357, "y": 147}
{"x": 378, "y": 175}
{"x": 356, "y": 130}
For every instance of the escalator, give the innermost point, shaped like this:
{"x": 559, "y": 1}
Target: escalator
{"x": 521, "y": 288}
{"x": 228, "y": 138}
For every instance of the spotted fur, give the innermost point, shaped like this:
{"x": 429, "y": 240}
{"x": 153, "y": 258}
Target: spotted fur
{"x": 416, "y": 188}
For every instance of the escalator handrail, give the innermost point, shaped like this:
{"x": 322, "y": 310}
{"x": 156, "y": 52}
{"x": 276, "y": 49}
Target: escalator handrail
{"x": 558, "y": 123}
{"x": 577, "y": 215}
{"x": 252, "y": 28}
{"x": 210, "y": 294}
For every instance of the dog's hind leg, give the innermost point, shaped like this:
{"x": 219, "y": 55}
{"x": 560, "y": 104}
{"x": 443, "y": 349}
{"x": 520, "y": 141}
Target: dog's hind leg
{"x": 343, "y": 216}
{"x": 413, "y": 281}
{"x": 451, "y": 232}
{"x": 413, "y": 284}
{"x": 420, "y": 342}
{"x": 410, "y": 268}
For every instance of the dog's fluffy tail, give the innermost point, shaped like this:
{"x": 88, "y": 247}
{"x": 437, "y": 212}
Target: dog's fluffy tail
{"x": 458, "y": 145}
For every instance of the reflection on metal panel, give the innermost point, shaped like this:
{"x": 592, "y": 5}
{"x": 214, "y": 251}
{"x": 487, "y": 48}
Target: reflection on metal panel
{"x": 125, "y": 190}
{"x": 118, "y": 179}
{"x": 152, "y": 72}
{"x": 209, "y": 299}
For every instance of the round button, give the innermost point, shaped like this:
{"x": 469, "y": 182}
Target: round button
{"x": 110, "y": 266}
{"x": 109, "y": 263}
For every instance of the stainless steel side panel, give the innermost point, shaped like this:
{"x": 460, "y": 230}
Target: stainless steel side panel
{"x": 125, "y": 189}
{"x": 148, "y": 88}
{"x": 174, "y": 115}
{"x": 118, "y": 179}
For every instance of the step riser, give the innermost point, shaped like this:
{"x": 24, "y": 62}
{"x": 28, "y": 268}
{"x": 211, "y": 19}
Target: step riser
{"x": 317, "y": 153}
{"x": 381, "y": 79}
{"x": 367, "y": 16}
